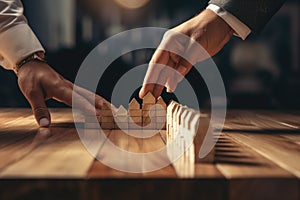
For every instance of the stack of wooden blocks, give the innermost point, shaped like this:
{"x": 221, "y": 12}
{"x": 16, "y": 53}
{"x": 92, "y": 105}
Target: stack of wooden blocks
{"x": 186, "y": 129}
{"x": 152, "y": 115}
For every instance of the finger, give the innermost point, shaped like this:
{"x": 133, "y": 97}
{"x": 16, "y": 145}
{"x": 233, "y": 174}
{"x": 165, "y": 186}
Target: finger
{"x": 174, "y": 57}
{"x": 39, "y": 108}
{"x": 158, "y": 60}
{"x": 182, "y": 68}
{"x": 145, "y": 89}
{"x": 163, "y": 77}
{"x": 66, "y": 95}
{"x": 94, "y": 98}
{"x": 90, "y": 96}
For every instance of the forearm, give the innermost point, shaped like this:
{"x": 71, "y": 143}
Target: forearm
{"x": 17, "y": 41}
{"x": 254, "y": 13}
{"x": 240, "y": 29}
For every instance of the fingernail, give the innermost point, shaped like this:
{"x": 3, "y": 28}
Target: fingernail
{"x": 182, "y": 69}
{"x": 44, "y": 122}
{"x": 169, "y": 90}
{"x": 141, "y": 93}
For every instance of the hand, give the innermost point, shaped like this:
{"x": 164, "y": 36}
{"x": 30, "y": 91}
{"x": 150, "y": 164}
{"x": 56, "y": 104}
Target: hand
{"x": 39, "y": 82}
{"x": 179, "y": 50}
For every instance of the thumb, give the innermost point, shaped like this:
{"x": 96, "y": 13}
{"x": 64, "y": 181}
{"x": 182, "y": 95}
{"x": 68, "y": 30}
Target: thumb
{"x": 40, "y": 110}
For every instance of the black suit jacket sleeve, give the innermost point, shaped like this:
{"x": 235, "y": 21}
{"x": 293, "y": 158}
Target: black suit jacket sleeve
{"x": 254, "y": 13}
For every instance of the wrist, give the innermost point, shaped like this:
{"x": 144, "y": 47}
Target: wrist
{"x": 38, "y": 56}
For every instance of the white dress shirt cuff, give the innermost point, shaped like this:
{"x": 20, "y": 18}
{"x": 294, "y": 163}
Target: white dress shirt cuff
{"x": 241, "y": 30}
{"x": 16, "y": 43}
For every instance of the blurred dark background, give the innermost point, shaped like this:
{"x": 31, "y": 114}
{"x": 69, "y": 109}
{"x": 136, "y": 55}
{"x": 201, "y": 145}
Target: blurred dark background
{"x": 261, "y": 72}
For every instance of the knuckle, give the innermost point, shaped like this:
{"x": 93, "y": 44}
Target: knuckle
{"x": 169, "y": 35}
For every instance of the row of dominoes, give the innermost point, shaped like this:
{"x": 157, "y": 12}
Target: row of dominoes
{"x": 187, "y": 129}
{"x": 152, "y": 115}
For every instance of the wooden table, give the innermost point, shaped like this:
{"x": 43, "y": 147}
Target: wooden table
{"x": 257, "y": 157}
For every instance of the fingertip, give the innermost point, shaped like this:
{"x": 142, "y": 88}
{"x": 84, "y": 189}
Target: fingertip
{"x": 99, "y": 104}
{"x": 44, "y": 122}
{"x": 142, "y": 92}
{"x": 169, "y": 90}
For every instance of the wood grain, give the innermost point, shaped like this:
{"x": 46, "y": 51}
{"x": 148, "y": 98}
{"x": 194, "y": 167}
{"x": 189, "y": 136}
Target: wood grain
{"x": 252, "y": 176}
{"x": 257, "y": 157}
{"x": 54, "y": 152}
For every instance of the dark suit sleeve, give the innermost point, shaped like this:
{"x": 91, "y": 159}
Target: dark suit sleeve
{"x": 254, "y": 13}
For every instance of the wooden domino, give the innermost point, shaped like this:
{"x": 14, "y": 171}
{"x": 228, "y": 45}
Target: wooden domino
{"x": 149, "y": 99}
{"x": 121, "y": 118}
{"x": 135, "y": 120}
{"x": 188, "y": 127}
{"x": 133, "y": 105}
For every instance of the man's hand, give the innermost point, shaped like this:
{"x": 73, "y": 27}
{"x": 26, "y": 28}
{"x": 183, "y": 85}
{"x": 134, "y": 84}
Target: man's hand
{"x": 39, "y": 82}
{"x": 176, "y": 54}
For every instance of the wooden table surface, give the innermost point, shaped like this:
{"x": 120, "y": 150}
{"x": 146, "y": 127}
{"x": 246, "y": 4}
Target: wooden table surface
{"x": 257, "y": 157}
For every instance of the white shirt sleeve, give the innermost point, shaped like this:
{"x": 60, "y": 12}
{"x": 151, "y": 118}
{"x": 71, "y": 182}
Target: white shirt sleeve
{"x": 17, "y": 41}
{"x": 241, "y": 30}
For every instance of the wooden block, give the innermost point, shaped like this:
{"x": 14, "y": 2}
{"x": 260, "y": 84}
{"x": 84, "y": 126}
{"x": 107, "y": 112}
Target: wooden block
{"x": 149, "y": 98}
{"x": 149, "y": 126}
{"x": 137, "y": 125}
{"x": 175, "y": 118}
{"x": 161, "y": 119}
{"x": 160, "y": 113}
{"x": 148, "y": 120}
{"x": 121, "y": 111}
{"x": 203, "y": 133}
{"x": 145, "y": 113}
{"x": 107, "y": 126}
{"x": 148, "y": 113}
{"x": 91, "y": 125}
{"x": 107, "y": 119}
{"x": 135, "y": 112}
{"x": 121, "y": 125}
{"x": 168, "y": 125}
{"x": 91, "y": 119}
{"x": 122, "y": 119}
{"x": 162, "y": 103}
{"x": 135, "y": 119}
{"x": 147, "y": 106}
{"x": 133, "y": 105}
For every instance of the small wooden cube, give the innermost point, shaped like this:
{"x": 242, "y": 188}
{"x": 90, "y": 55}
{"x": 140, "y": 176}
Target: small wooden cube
{"x": 91, "y": 125}
{"x": 133, "y": 105}
{"x": 160, "y": 113}
{"x": 107, "y": 119}
{"x": 162, "y": 103}
{"x": 161, "y": 119}
{"x": 107, "y": 125}
{"x": 135, "y": 119}
{"x": 91, "y": 119}
{"x": 147, "y": 106}
{"x": 137, "y": 125}
{"x": 135, "y": 113}
{"x": 123, "y": 119}
{"x": 120, "y": 125}
{"x": 149, "y": 99}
